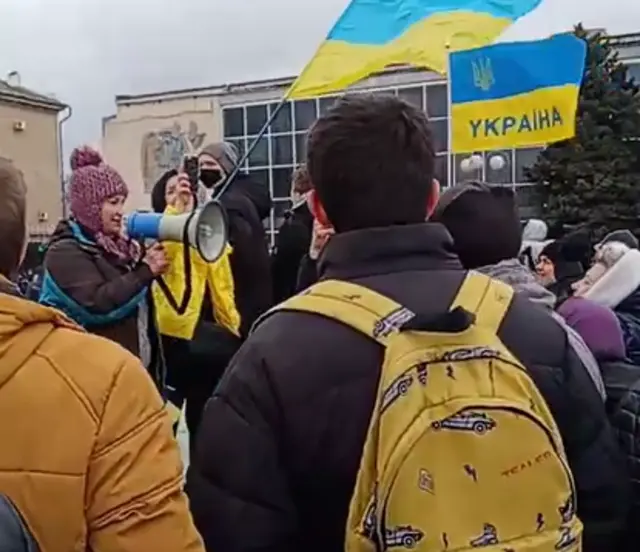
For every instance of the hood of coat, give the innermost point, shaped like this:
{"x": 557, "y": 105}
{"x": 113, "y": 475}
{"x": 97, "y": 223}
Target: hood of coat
{"x": 256, "y": 192}
{"x": 520, "y": 278}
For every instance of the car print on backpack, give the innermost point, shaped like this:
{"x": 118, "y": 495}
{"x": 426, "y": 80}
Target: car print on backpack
{"x": 422, "y": 370}
{"x": 567, "y": 511}
{"x": 489, "y": 537}
{"x": 397, "y": 389}
{"x": 478, "y": 422}
{"x": 566, "y": 540}
{"x": 403, "y": 536}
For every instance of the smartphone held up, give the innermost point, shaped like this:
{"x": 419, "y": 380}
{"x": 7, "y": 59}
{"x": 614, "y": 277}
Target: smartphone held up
{"x": 191, "y": 168}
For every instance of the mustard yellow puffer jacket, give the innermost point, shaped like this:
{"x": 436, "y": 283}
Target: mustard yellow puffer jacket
{"x": 216, "y": 278}
{"x": 89, "y": 460}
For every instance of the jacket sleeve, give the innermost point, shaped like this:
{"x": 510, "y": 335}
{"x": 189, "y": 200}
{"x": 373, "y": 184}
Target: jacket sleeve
{"x": 592, "y": 451}
{"x": 134, "y": 483}
{"x": 251, "y": 266}
{"x": 75, "y": 272}
{"x": 236, "y": 482}
{"x": 224, "y": 296}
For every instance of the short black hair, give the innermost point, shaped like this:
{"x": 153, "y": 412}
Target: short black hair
{"x": 371, "y": 161}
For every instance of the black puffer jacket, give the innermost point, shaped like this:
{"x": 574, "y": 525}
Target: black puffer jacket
{"x": 622, "y": 381}
{"x": 292, "y": 244}
{"x": 247, "y": 203}
{"x": 280, "y": 445}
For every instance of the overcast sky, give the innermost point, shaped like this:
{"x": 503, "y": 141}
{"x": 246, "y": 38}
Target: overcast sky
{"x": 86, "y": 51}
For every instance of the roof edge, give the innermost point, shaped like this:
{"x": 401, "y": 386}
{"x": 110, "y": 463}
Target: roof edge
{"x": 30, "y": 101}
{"x": 203, "y": 91}
{"x": 236, "y": 87}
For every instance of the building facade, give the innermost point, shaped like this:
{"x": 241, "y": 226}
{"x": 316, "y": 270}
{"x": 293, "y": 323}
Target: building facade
{"x": 152, "y": 132}
{"x": 30, "y": 138}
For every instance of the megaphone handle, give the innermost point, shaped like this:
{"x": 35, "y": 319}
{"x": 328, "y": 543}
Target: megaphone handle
{"x": 186, "y": 259}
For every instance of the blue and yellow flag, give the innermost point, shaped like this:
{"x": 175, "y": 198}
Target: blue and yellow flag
{"x": 374, "y": 34}
{"x": 514, "y": 95}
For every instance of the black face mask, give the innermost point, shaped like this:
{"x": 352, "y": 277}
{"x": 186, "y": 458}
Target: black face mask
{"x": 210, "y": 178}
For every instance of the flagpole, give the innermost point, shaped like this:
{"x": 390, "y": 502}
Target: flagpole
{"x": 449, "y": 124}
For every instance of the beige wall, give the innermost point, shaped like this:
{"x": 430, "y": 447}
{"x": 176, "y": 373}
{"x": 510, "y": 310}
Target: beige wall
{"x": 145, "y": 139}
{"x": 34, "y": 150}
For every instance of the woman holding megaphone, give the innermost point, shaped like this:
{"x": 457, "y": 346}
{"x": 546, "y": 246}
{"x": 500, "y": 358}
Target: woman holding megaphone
{"x": 195, "y": 306}
{"x": 94, "y": 274}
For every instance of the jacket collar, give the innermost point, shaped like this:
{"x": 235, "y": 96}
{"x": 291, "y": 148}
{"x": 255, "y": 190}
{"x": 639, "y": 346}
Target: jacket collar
{"x": 361, "y": 253}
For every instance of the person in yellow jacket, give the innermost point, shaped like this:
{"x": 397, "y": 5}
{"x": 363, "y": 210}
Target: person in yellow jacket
{"x": 195, "y": 309}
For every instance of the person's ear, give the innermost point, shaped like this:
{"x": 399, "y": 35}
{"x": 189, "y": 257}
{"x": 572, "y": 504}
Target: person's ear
{"x": 316, "y": 208}
{"x": 434, "y": 196}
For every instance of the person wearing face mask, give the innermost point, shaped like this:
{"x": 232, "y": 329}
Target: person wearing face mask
{"x": 195, "y": 308}
{"x": 94, "y": 274}
{"x": 247, "y": 204}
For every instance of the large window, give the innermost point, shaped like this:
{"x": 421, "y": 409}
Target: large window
{"x": 283, "y": 146}
{"x": 280, "y": 150}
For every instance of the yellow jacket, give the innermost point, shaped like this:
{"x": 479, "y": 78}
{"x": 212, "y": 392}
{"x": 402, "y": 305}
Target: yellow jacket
{"x": 214, "y": 277}
{"x": 94, "y": 436}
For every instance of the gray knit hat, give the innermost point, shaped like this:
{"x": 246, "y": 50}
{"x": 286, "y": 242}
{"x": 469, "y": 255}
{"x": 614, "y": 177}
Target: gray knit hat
{"x": 224, "y": 153}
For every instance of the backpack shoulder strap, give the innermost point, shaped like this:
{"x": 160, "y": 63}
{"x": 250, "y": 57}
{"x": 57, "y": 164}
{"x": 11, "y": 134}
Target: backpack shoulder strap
{"x": 379, "y": 317}
{"x": 485, "y": 297}
{"x": 361, "y": 308}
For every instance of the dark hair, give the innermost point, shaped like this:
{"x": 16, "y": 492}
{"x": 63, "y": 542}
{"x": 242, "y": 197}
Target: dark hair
{"x": 371, "y": 161}
{"x": 13, "y": 207}
{"x": 158, "y": 203}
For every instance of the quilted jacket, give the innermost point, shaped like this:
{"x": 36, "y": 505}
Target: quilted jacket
{"x": 622, "y": 381}
{"x": 88, "y": 455}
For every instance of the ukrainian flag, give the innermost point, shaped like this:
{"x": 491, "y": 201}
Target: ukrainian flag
{"x": 374, "y": 34}
{"x": 514, "y": 95}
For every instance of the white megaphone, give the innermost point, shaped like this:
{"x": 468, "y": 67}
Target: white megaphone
{"x": 204, "y": 229}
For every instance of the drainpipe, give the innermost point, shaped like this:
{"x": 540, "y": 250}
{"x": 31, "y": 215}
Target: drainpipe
{"x": 61, "y": 159}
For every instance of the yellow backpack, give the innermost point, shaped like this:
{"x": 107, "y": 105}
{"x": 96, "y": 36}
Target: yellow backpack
{"x": 462, "y": 452}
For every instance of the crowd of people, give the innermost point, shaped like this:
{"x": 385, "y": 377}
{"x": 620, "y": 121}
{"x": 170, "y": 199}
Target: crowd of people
{"x": 404, "y": 367}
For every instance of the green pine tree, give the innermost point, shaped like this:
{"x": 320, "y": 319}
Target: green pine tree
{"x": 594, "y": 178}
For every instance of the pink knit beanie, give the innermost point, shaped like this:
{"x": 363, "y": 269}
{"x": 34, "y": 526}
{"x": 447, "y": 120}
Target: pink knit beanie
{"x": 92, "y": 183}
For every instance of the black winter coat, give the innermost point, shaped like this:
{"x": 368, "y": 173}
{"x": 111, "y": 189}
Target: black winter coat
{"x": 292, "y": 244}
{"x": 622, "y": 382}
{"x": 247, "y": 203}
{"x": 280, "y": 444}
